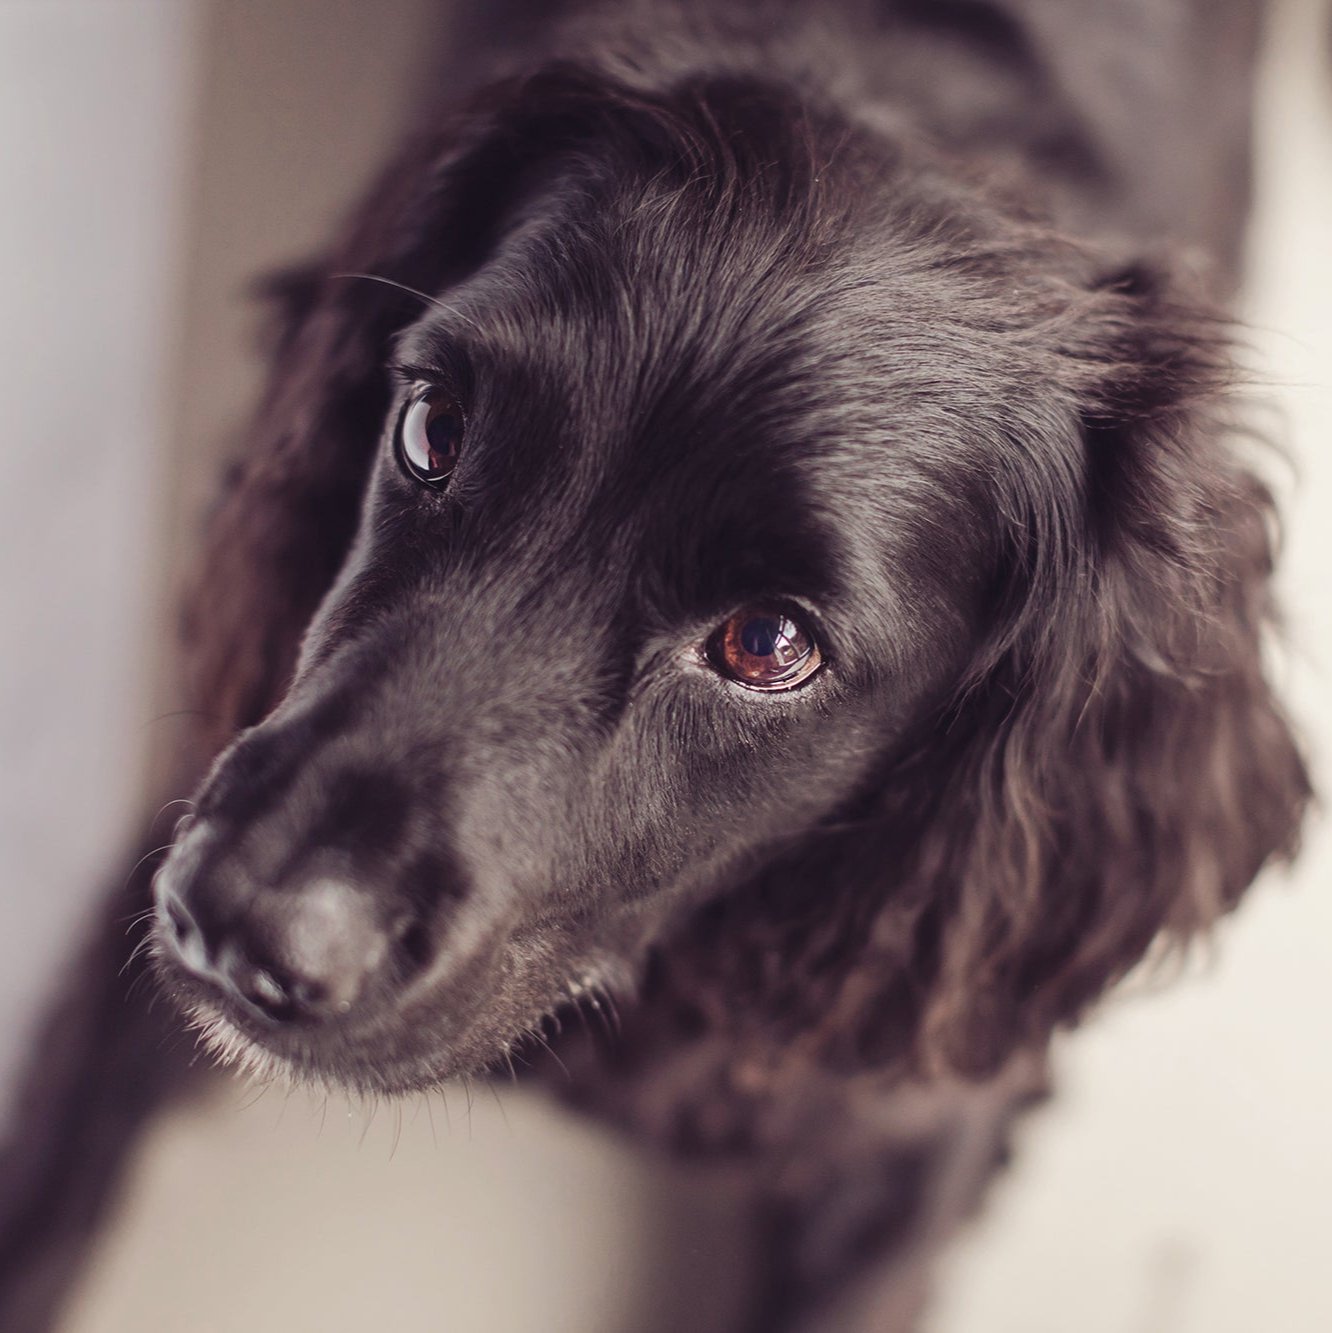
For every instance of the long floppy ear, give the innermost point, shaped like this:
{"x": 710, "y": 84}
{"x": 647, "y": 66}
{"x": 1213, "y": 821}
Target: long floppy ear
{"x": 1122, "y": 770}
{"x": 286, "y": 517}
{"x": 288, "y": 509}
{"x": 284, "y": 520}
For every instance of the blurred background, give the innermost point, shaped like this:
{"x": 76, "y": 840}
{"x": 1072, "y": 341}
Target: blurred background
{"x": 154, "y": 156}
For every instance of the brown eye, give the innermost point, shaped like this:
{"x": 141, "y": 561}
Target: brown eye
{"x": 765, "y": 648}
{"x": 430, "y": 436}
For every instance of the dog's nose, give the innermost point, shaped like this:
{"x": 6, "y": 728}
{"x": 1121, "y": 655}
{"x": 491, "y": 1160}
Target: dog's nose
{"x": 299, "y": 955}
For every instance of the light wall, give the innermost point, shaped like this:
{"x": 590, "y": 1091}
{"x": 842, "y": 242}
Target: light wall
{"x": 95, "y": 114}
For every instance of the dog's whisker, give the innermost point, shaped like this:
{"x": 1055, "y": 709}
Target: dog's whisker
{"x": 499, "y": 1102}
{"x": 147, "y": 856}
{"x": 144, "y": 946}
{"x": 430, "y": 1116}
{"x": 540, "y": 1040}
{"x": 179, "y": 800}
{"x": 143, "y": 977}
{"x": 612, "y": 1011}
{"x": 255, "y": 1094}
{"x": 369, "y": 1115}
{"x": 434, "y": 302}
{"x": 282, "y": 1109}
{"x": 137, "y": 918}
{"x": 182, "y": 712}
{"x": 467, "y": 1093}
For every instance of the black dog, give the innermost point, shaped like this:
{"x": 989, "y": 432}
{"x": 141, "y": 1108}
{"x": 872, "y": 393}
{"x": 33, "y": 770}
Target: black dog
{"x": 765, "y": 541}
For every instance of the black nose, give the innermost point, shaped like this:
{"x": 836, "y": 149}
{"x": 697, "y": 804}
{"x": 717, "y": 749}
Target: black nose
{"x": 302, "y": 954}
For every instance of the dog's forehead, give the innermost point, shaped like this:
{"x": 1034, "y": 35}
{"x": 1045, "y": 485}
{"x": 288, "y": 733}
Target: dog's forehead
{"x": 733, "y": 387}
{"x": 637, "y": 312}
{"x": 622, "y": 323}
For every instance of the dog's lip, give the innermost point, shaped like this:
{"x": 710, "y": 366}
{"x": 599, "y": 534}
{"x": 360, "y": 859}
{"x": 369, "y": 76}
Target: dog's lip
{"x": 247, "y": 1044}
{"x": 345, "y": 1053}
{"x": 353, "y": 1071}
{"x": 357, "y": 1067}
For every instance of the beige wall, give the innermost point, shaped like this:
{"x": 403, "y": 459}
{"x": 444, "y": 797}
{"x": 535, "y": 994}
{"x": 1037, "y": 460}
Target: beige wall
{"x": 94, "y": 111}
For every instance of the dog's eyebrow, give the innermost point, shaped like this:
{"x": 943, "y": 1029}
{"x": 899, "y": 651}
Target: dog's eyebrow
{"x": 448, "y": 367}
{"x": 414, "y": 373}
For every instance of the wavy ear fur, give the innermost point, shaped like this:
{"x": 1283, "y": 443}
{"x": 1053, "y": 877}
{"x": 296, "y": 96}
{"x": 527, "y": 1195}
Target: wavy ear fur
{"x": 1122, "y": 768}
{"x": 289, "y": 507}
{"x": 285, "y": 519}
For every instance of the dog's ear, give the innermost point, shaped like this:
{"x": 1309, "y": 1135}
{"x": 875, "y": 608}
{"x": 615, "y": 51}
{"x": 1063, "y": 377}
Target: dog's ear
{"x": 285, "y": 518}
{"x": 1121, "y": 771}
{"x": 286, "y": 514}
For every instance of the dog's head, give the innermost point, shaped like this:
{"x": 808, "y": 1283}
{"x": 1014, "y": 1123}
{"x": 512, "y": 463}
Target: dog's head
{"x": 737, "y": 481}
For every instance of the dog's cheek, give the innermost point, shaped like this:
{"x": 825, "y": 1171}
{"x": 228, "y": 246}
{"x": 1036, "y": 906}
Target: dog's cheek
{"x": 693, "y": 783}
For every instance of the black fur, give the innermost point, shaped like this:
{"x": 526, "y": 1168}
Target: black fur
{"x": 870, "y": 311}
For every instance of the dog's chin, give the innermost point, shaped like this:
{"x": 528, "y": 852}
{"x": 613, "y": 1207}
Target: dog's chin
{"x": 391, "y": 1057}
{"x": 337, "y": 1064}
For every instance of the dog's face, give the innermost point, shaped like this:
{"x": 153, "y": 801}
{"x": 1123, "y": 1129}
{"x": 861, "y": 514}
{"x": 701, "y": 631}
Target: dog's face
{"x": 685, "y": 516}
{"x": 649, "y": 574}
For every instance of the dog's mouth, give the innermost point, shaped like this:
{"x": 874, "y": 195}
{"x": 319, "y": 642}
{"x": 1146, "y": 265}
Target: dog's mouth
{"x": 493, "y": 1017}
{"x": 388, "y": 1059}
{"x": 323, "y": 1065}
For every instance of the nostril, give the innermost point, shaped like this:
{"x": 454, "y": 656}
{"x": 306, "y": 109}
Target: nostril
{"x": 284, "y": 997}
{"x": 179, "y": 929}
{"x": 263, "y": 991}
{"x": 316, "y": 997}
{"x": 180, "y": 922}
{"x": 305, "y": 955}
{"x": 415, "y": 946}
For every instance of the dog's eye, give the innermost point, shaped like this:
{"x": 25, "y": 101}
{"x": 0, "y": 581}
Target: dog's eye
{"x": 430, "y": 436}
{"x": 764, "y": 648}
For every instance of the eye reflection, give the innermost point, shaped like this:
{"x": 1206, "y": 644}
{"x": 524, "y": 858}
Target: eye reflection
{"x": 764, "y": 648}
{"x": 430, "y": 436}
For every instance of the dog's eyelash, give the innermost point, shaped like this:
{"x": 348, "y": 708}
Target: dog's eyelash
{"x": 446, "y": 370}
{"x": 413, "y": 375}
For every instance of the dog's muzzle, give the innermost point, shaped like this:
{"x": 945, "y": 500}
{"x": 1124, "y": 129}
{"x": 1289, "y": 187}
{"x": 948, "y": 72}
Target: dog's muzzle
{"x": 296, "y": 955}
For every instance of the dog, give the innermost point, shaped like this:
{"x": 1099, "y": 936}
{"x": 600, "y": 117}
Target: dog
{"x": 748, "y": 527}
